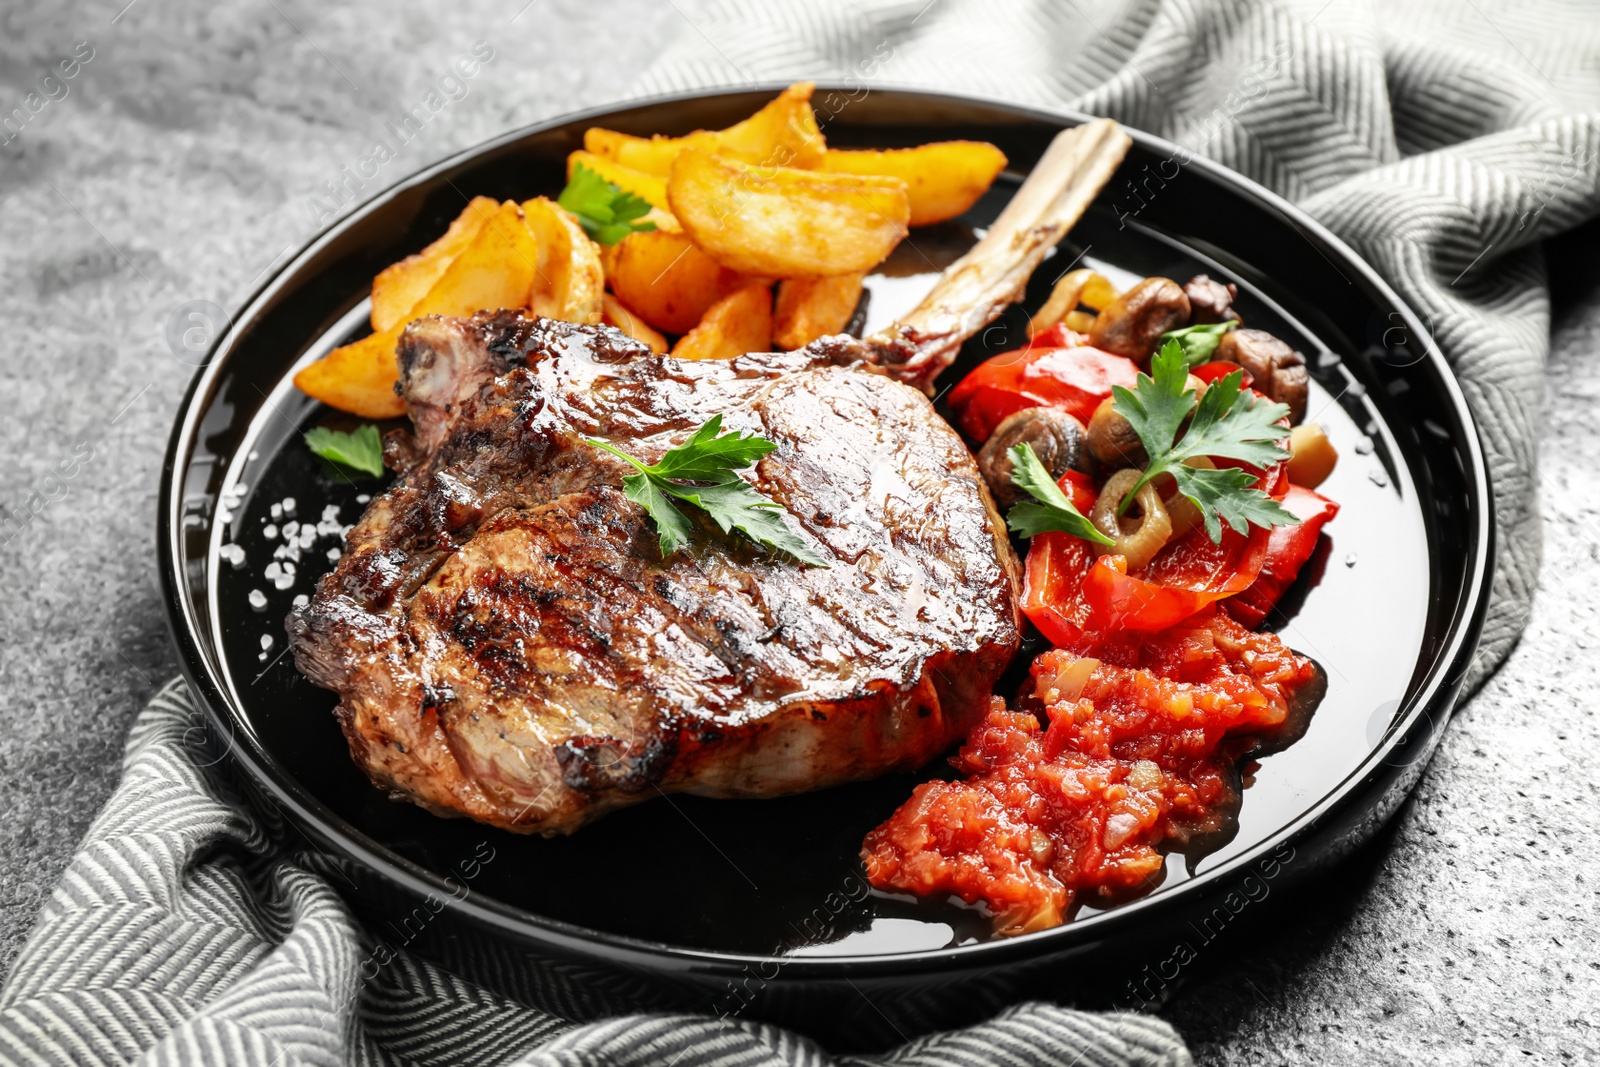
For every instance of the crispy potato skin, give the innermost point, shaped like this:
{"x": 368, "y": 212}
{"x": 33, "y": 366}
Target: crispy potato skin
{"x": 738, "y": 323}
{"x": 650, "y": 187}
{"x": 942, "y": 179}
{"x": 733, "y": 210}
{"x": 533, "y": 255}
{"x": 358, "y": 378}
{"x": 615, "y": 313}
{"x": 782, "y": 134}
{"x": 399, "y": 287}
{"x": 786, "y": 223}
{"x": 664, "y": 279}
{"x": 569, "y": 280}
{"x": 809, "y": 308}
{"x": 496, "y": 270}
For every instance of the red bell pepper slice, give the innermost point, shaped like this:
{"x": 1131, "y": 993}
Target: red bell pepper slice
{"x": 1189, "y": 574}
{"x": 1076, "y": 600}
{"x": 1218, "y": 369}
{"x": 1056, "y": 370}
{"x": 1287, "y": 551}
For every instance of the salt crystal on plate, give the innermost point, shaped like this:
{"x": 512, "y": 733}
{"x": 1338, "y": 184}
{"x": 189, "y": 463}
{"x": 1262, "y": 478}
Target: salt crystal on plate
{"x": 269, "y": 531}
{"x": 288, "y": 505}
{"x": 266, "y": 642}
{"x": 258, "y": 600}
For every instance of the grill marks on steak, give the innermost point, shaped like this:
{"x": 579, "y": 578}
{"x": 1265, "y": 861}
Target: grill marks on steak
{"x": 508, "y": 644}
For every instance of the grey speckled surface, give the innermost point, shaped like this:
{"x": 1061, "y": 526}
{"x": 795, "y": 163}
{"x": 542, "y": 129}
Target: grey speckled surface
{"x": 181, "y": 164}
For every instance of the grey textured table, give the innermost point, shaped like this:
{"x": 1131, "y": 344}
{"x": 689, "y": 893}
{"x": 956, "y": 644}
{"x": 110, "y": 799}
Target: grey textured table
{"x": 190, "y": 154}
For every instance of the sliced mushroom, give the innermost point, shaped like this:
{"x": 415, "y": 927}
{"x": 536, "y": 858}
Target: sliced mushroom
{"x": 1111, "y": 440}
{"x": 1056, "y": 437}
{"x": 1210, "y": 301}
{"x": 1132, "y": 323}
{"x": 1279, "y": 371}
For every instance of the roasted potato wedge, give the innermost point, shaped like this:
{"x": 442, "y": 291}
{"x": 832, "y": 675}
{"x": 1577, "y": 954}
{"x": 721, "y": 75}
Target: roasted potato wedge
{"x": 809, "y": 308}
{"x": 738, "y": 323}
{"x": 358, "y": 378}
{"x": 496, "y": 270}
{"x": 786, "y": 223}
{"x": 569, "y": 280}
{"x": 649, "y": 187}
{"x": 943, "y": 179}
{"x": 664, "y": 279}
{"x": 615, "y": 314}
{"x": 396, "y": 290}
{"x": 782, "y": 134}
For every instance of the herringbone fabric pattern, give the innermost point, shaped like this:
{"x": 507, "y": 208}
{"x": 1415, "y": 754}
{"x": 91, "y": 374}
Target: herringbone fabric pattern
{"x": 1442, "y": 140}
{"x": 178, "y": 936}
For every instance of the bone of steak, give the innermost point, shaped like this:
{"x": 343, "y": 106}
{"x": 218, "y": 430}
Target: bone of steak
{"x": 508, "y": 644}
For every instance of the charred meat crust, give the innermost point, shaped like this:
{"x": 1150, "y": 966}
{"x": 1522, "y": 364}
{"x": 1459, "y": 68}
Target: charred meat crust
{"x": 507, "y": 643}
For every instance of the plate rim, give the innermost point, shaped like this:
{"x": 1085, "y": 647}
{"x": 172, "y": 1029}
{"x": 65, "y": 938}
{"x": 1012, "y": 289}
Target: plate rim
{"x": 1440, "y": 684}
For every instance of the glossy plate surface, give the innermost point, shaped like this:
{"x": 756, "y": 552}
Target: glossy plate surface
{"x": 1390, "y": 606}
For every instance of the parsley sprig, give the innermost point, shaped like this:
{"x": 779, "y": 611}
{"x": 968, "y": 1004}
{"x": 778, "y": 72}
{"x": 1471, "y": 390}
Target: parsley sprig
{"x": 606, "y": 212}
{"x": 1229, "y": 422}
{"x": 1050, "y": 509}
{"x": 1199, "y": 343}
{"x": 701, "y": 472}
{"x": 359, "y": 450}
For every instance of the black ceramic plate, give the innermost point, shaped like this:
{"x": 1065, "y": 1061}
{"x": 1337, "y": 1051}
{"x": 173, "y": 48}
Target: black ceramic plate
{"x": 676, "y": 902}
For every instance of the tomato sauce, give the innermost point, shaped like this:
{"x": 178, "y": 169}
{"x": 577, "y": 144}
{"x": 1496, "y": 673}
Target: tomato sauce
{"x": 1136, "y": 751}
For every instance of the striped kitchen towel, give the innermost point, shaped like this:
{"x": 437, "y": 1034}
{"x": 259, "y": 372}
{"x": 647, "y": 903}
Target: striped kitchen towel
{"x": 179, "y": 936}
{"x": 1442, "y": 140}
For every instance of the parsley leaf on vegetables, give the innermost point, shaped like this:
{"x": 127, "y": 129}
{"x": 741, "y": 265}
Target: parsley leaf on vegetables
{"x": 1199, "y": 343}
{"x": 700, "y": 472}
{"x": 1229, "y": 422}
{"x": 359, "y": 450}
{"x": 606, "y": 212}
{"x": 1050, "y": 509}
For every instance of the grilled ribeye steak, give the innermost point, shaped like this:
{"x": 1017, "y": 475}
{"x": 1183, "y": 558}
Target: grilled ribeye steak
{"x": 508, "y": 644}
